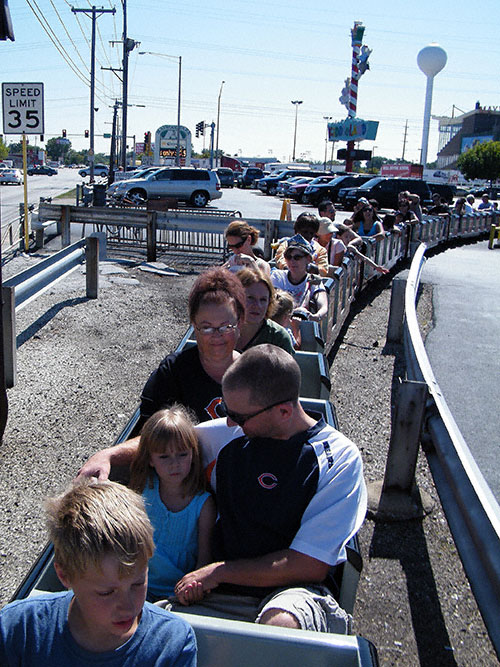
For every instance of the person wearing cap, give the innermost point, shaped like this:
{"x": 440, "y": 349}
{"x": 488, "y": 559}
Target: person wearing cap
{"x": 326, "y": 236}
{"x": 485, "y": 203}
{"x": 307, "y": 225}
{"x": 308, "y": 293}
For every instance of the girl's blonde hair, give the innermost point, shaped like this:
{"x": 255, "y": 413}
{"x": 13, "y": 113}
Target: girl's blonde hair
{"x": 283, "y": 304}
{"x": 166, "y": 429}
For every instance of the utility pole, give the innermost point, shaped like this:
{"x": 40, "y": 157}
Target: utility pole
{"x": 218, "y": 120}
{"x": 404, "y": 140}
{"x": 93, "y": 12}
{"x": 112, "y": 153}
{"x": 296, "y": 104}
{"x": 128, "y": 46}
{"x": 212, "y": 128}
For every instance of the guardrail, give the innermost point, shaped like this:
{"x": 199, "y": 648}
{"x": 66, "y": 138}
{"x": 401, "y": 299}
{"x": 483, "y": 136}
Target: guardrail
{"x": 27, "y": 285}
{"x": 471, "y": 510}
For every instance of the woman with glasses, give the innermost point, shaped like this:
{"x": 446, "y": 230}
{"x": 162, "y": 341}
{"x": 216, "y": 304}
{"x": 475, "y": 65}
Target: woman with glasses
{"x": 307, "y": 291}
{"x": 193, "y": 376}
{"x": 257, "y": 328}
{"x": 241, "y": 239}
{"x": 366, "y": 223}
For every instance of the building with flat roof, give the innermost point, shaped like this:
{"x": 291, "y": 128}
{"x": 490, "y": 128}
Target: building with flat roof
{"x": 457, "y": 135}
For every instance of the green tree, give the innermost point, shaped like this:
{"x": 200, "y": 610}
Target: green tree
{"x": 4, "y": 151}
{"x": 55, "y": 150}
{"x": 16, "y": 148}
{"x": 482, "y": 161}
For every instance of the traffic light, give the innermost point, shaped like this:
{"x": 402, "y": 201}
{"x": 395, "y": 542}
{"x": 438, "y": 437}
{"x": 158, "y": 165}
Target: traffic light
{"x": 200, "y": 128}
{"x": 86, "y": 134}
{"x": 64, "y": 134}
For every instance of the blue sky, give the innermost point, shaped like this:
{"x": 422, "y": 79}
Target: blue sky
{"x": 268, "y": 53}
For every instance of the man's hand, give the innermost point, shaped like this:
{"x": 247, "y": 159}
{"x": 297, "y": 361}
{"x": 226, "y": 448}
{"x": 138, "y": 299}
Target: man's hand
{"x": 194, "y": 585}
{"x": 97, "y": 466}
{"x": 381, "y": 269}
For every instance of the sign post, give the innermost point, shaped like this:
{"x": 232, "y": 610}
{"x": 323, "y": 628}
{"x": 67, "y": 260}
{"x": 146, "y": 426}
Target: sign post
{"x": 22, "y": 105}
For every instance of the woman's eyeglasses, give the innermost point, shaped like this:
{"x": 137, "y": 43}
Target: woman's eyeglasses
{"x": 224, "y": 329}
{"x": 235, "y": 246}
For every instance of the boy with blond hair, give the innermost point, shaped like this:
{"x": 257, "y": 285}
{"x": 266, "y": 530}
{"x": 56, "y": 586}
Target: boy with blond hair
{"x": 102, "y": 543}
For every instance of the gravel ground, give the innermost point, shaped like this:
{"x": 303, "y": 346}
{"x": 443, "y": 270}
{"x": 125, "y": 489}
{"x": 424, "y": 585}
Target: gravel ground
{"x": 81, "y": 366}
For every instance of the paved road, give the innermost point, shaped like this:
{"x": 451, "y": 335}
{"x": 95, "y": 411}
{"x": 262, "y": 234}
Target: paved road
{"x": 38, "y": 186}
{"x": 463, "y": 347}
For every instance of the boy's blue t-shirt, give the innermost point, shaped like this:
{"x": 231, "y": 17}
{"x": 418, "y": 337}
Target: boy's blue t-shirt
{"x": 35, "y": 632}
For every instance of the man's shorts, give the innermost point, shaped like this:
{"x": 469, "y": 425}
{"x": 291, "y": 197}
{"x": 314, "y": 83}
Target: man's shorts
{"x": 314, "y": 608}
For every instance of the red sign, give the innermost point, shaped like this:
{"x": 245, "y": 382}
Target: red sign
{"x": 403, "y": 170}
{"x": 139, "y": 147}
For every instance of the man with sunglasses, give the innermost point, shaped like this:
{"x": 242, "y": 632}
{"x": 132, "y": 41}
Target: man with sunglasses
{"x": 290, "y": 494}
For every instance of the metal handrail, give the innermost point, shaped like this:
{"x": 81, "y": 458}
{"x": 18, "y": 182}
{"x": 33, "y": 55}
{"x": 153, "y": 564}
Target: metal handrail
{"x": 471, "y": 510}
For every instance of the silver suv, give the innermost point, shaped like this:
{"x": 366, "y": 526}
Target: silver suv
{"x": 196, "y": 186}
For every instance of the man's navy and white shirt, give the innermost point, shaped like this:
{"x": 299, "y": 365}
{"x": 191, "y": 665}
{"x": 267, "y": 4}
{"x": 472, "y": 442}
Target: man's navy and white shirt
{"x": 306, "y": 493}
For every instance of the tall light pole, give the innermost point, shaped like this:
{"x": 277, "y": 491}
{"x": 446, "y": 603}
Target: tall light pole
{"x": 296, "y": 104}
{"x": 179, "y": 60}
{"x": 327, "y": 118}
{"x": 218, "y": 119}
{"x": 431, "y": 60}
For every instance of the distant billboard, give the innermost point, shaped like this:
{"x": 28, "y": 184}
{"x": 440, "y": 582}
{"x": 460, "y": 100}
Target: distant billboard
{"x": 353, "y": 129}
{"x": 470, "y": 142}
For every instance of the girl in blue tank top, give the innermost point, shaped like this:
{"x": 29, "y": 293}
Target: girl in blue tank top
{"x": 167, "y": 470}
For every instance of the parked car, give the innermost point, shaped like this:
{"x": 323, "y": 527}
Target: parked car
{"x": 284, "y": 186}
{"x": 11, "y": 176}
{"x": 226, "y": 177}
{"x": 443, "y": 190}
{"x": 269, "y": 184}
{"x": 196, "y": 186}
{"x": 316, "y": 193}
{"x": 41, "y": 170}
{"x": 99, "y": 170}
{"x": 248, "y": 176}
{"x": 297, "y": 190}
{"x": 385, "y": 191}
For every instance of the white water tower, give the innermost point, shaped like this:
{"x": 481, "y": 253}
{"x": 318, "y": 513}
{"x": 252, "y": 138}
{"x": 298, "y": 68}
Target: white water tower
{"x": 431, "y": 60}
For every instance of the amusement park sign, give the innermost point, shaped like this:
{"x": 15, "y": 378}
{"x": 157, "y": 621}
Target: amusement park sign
{"x": 352, "y": 129}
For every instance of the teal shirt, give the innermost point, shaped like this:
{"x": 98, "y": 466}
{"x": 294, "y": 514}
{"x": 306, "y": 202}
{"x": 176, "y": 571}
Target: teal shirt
{"x": 176, "y": 540}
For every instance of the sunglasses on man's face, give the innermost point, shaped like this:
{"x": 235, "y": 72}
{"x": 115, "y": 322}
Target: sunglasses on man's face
{"x": 235, "y": 246}
{"x": 239, "y": 418}
{"x": 295, "y": 258}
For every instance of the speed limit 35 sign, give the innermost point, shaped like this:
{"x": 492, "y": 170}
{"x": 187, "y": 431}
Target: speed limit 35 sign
{"x": 22, "y": 105}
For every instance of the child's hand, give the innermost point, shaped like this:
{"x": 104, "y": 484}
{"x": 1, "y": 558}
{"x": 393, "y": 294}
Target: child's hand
{"x": 191, "y": 594}
{"x": 194, "y": 585}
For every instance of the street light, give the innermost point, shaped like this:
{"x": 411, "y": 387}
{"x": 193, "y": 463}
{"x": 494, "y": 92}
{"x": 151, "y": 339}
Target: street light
{"x": 296, "y": 104}
{"x": 179, "y": 59}
{"x": 218, "y": 119}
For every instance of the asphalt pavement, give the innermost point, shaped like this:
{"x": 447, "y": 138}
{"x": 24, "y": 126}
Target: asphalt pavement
{"x": 463, "y": 346}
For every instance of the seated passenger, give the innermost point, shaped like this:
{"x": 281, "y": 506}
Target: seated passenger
{"x": 485, "y": 204}
{"x": 308, "y": 292}
{"x": 167, "y": 470}
{"x": 102, "y": 542}
{"x": 353, "y": 243}
{"x": 257, "y": 327}
{"x": 216, "y": 309}
{"x": 282, "y": 314}
{"x": 367, "y": 223}
{"x": 306, "y": 225}
{"x": 327, "y": 237}
{"x": 241, "y": 239}
{"x": 290, "y": 494}
{"x": 440, "y": 206}
{"x": 407, "y": 215}
{"x": 414, "y": 203}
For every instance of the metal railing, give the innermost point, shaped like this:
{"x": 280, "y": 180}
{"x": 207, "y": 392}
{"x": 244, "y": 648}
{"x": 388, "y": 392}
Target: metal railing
{"x": 471, "y": 510}
{"x": 27, "y": 285}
